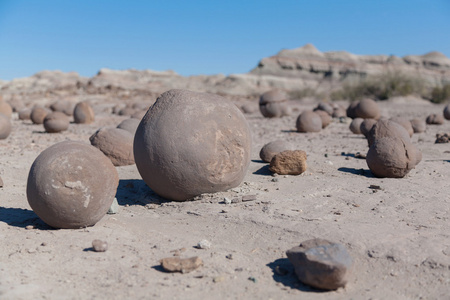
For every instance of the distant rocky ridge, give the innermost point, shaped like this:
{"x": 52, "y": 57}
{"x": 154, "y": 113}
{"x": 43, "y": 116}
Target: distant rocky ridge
{"x": 290, "y": 70}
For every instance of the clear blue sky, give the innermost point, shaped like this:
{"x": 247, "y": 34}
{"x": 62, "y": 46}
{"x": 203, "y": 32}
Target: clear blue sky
{"x": 207, "y": 37}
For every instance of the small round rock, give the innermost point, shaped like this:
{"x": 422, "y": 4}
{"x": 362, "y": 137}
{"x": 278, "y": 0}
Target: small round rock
{"x": 355, "y": 125}
{"x": 418, "y": 125}
{"x": 309, "y": 121}
{"x": 5, "y": 108}
{"x": 99, "y": 246}
{"x": 24, "y": 114}
{"x": 435, "y": 119}
{"x": 56, "y": 122}
{"x": 116, "y": 144}
{"x": 83, "y": 113}
{"x": 129, "y": 125}
{"x": 367, "y": 109}
{"x": 405, "y": 123}
{"x": 38, "y": 114}
{"x": 5, "y": 126}
{"x": 269, "y": 150}
{"x": 272, "y": 104}
{"x": 447, "y": 112}
{"x": 71, "y": 185}
{"x": 326, "y": 118}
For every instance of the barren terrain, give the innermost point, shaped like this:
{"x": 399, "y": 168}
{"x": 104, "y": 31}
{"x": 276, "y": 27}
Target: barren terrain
{"x": 398, "y": 235}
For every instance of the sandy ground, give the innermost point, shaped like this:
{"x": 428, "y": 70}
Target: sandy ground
{"x": 399, "y": 236}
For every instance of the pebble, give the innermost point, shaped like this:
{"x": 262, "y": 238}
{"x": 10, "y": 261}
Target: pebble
{"x": 204, "y": 244}
{"x": 183, "y": 265}
{"x": 99, "y": 246}
{"x": 321, "y": 263}
{"x": 249, "y": 198}
{"x": 29, "y": 227}
{"x": 1, "y": 182}
{"x": 274, "y": 179}
{"x": 218, "y": 279}
{"x": 114, "y": 209}
{"x": 229, "y": 256}
{"x": 251, "y": 278}
{"x": 226, "y": 200}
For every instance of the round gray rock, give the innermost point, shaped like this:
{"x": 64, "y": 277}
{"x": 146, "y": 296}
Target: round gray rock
{"x": 5, "y": 126}
{"x": 269, "y": 150}
{"x": 71, "y": 185}
{"x": 56, "y": 122}
{"x": 129, "y": 125}
{"x": 116, "y": 144}
{"x": 83, "y": 113}
{"x": 192, "y": 143}
{"x": 309, "y": 121}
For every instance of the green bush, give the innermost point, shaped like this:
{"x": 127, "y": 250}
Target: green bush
{"x": 382, "y": 87}
{"x": 441, "y": 94}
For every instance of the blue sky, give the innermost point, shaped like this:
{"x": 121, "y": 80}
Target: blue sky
{"x": 207, "y": 37}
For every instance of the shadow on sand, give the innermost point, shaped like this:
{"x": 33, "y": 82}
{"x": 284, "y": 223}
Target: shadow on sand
{"x": 361, "y": 172}
{"x": 20, "y": 217}
{"x": 263, "y": 171}
{"x": 136, "y": 192}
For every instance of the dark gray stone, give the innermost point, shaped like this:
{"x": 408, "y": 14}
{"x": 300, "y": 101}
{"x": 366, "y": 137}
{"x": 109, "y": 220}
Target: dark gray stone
{"x": 321, "y": 263}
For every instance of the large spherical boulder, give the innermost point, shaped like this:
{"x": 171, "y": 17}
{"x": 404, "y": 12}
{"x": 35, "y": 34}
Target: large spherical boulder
{"x": 71, "y": 185}
{"x": 116, "y": 144}
{"x": 309, "y": 121}
{"x": 387, "y": 128}
{"x": 5, "y": 126}
{"x": 192, "y": 143}
{"x": 392, "y": 157}
{"x": 272, "y": 104}
{"x": 56, "y": 122}
{"x": 83, "y": 113}
{"x": 269, "y": 150}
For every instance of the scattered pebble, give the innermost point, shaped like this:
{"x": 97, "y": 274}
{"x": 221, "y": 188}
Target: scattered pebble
{"x": 229, "y": 256}
{"x": 249, "y": 198}
{"x": 226, "y": 200}
{"x": 29, "y": 227}
{"x": 183, "y": 265}
{"x": 321, "y": 263}
{"x": 281, "y": 271}
{"x": 1, "y": 182}
{"x": 251, "y": 278}
{"x": 218, "y": 279}
{"x": 375, "y": 187}
{"x": 274, "y": 179}
{"x": 114, "y": 209}
{"x": 204, "y": 244}
{"x": 442, "y": 138}
{"x": 99, "y": 246}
